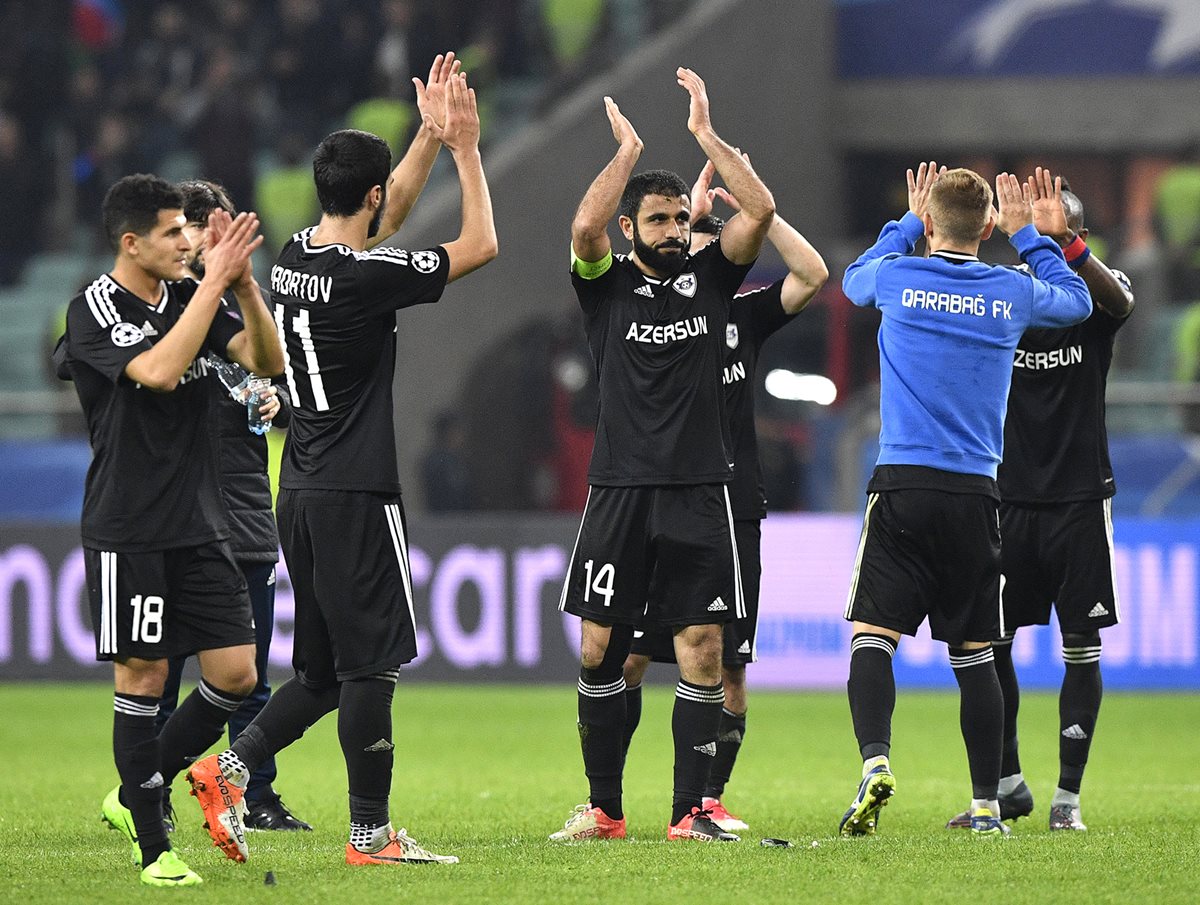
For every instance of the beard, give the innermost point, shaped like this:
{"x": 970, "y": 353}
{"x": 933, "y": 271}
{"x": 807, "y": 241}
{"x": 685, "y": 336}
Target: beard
{"x": 196, "y": 266}
{"x": 373, "y": 228}
{"x": 667, "y": 262}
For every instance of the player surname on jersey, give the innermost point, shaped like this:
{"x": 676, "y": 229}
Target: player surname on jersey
{"x": 300, "y": 285}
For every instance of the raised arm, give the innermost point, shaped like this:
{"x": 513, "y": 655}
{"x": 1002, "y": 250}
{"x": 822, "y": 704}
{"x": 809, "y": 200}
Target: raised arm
{"x": 589, "y": 229}
{"x": 161, "y": 367}
{"x": 476, "y": 243}
{"x": 898, "y": 237}
{"x": 1060, "y": 297}
{"x": 807, "y": 272}
{"x": 257, "y": 347}
{"x": 408, "y": 179}
{"x": 743, "y": 235}
{"x": 1050, "y": 218}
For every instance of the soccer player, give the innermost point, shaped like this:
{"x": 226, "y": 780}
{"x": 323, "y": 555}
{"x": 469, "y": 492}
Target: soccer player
{"x": 1056, "y": 487}
{"x": 656, "y": 546}
{"x": 930, "y": 543}
{"x": 162, "y": 581}
{"x": 754, "y": 317}
{"x": 246, "y": 489}
{"x": 340, "y": 515}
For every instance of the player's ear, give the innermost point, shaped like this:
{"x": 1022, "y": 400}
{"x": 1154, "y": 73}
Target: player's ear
{"x": 928, "y": 221}
{"x": 988, "y": 227}
{"x": 626, "y": 227}
{"x": 374, "y": 198}
{"x": 129, "y": 244}
{"x": 1083, "y": 233}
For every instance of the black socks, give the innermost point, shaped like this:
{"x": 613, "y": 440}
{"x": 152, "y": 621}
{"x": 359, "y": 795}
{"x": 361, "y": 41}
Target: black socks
{"x": 872, "y": 692}
{"x": 194, "y": 726}
{"x": 139, "y": 764}
{"x": 981, "y": 716}
{"x": 695, "y": 725}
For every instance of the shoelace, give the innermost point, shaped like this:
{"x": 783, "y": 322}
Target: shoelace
{"x": 410, "y": 845}
{"x": 577, "y": 815}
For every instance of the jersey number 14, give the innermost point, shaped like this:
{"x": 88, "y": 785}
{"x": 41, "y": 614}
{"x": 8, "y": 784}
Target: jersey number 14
{"x": 602, "y": 584}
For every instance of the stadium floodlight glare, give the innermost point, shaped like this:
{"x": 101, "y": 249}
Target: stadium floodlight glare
{"x": 784, "y": 384}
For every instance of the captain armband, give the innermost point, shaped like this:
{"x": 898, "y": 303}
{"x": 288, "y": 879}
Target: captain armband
{"x": 589, "y": 270}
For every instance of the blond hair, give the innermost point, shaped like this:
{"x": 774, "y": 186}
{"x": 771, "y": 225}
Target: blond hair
{"x": 959, "y": 203}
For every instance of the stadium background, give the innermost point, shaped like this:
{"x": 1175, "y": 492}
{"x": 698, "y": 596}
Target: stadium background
{"x": 832, "y": 100}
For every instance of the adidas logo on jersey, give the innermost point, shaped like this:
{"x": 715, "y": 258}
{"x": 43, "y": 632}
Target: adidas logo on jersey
{"x": 1074, "y": 731}
{"x": 148, "y": 329}
{"x": 645, "y": 290}
{"x": 1097, "y": 611}
{"x": 710, "y": 749}
{"x": 744, "y": 647}
{"x": 718, "y": 606}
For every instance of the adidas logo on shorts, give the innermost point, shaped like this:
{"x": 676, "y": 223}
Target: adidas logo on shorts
{"x": 744, "y": 648}
{"x": 1074, "y": 731}
{"x": 718, "y": 606}
{"x": 1097, "y": 611}
{"x": 710, "y": 749}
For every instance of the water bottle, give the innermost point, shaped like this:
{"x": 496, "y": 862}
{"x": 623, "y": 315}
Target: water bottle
{"x": 256, "y": 386}
{"x": 232, "y": 376}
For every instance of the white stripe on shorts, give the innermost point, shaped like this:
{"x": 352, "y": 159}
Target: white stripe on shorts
{"x": 396, "y": 527}
{"x": 1112, "y": 557}
{"x": 105, "y": 604}
{"x": 739, "y": 598}
{"x": 562, "y": 598}
{"x": 872, "y": 499}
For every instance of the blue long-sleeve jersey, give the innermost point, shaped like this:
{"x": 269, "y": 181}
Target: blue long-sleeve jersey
{"x": 950, "y": 327}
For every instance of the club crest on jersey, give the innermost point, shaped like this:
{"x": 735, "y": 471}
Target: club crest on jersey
{"x": 685, "y": 284}
{"x": 125, "y": 335}
{"x": 731, "y": 336}
{"x": 426, "y": 261}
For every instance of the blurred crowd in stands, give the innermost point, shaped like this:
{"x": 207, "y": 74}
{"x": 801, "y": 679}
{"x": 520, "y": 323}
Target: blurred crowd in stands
{"x": 242, "y": 90}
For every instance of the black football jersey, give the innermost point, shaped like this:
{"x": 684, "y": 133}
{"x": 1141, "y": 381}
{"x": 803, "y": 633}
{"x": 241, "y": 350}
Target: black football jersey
{"x": 1055, "y": 440}
{"x": 658, "y": 351}
{"x": 335, "y": 310}
{"x": 754, "y": 317}
{"x": 152, "y": 483}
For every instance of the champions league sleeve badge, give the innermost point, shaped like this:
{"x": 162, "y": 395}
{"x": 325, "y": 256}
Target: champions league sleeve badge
{"x": 731, "y": 335}
{"x": 685, "y": 284}
{"x": 426, "y": 261}
{"x": 124, "y": 335}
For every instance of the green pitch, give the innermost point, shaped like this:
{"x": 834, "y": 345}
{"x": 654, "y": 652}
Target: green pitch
{"x": 487, "y": 772}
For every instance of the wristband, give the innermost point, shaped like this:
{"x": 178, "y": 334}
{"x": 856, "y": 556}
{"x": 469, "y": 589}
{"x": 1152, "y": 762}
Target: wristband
{"x": 1077, "y": 253}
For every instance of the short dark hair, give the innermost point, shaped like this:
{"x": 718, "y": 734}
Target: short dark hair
{"x": 132, "y": 203}
{"x": 651, "y": 182}
{"x": 201, "y": 197}
{"x": 709, "y": 224}
{"x": 960, "y": 203}
{"x": 347, "y": 165}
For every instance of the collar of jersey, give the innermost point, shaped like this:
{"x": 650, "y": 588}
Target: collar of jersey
{"x": 954, "y": 257}
{"x": 162, "y": 284}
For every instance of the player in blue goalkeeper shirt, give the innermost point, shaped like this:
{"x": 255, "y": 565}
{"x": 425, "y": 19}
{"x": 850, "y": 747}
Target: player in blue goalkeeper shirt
{"x": 930, "y": 545}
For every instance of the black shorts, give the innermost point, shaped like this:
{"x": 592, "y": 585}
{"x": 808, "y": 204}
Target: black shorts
{"x": 660, "y": 555}
{"x": 659, "y": 644}
{"x": 347, "y": 559}
{"x": 929, "y": 553}
{"x": 167, "y": 603}
{"x": 1060, "y": 555}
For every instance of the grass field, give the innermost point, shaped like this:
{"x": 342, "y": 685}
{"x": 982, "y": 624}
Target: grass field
{"x": 487, "y": 772}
